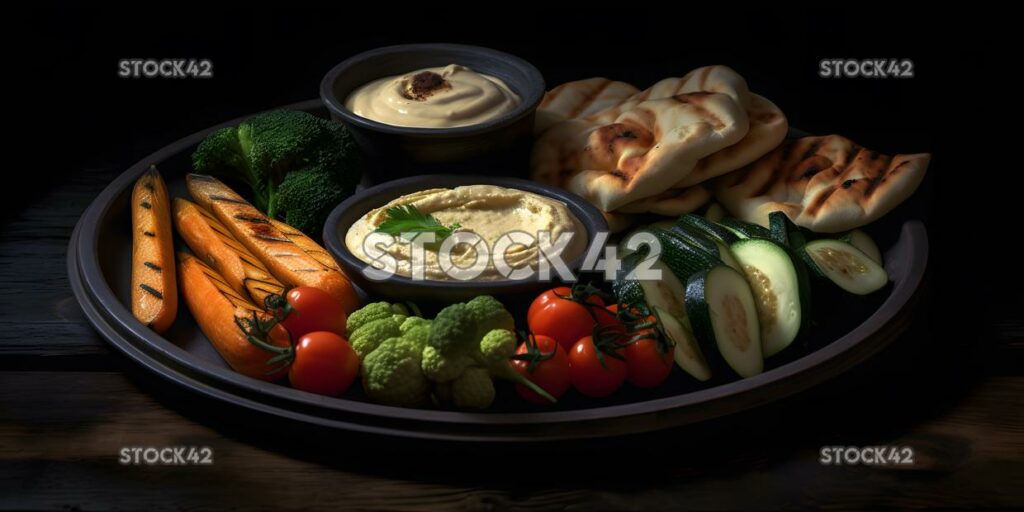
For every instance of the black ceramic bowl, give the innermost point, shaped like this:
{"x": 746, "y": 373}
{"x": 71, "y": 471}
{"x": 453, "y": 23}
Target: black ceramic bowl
{"x": 404, "y": 288}
{"x": 497, "y": 147}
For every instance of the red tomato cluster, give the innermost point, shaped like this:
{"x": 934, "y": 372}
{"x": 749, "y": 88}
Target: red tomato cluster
{"x": 324, "y": 362}
{"x": 565, "y": 324}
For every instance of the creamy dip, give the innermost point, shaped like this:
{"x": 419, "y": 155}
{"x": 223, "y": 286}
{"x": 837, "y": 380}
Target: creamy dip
{"x": 434, "y": 98}
{"x": 486, "y": 210}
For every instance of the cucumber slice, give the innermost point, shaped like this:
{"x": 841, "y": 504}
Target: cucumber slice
{"x": 686, "y": 352}
{"x": 776, "y": 286}
{"x": 666, "y": 293}
{"x": 862, "y": 241}
{"x": 721, "y": 310}
{"x": 715, "y": 212}
{"x": 707, "y": 228}
{"x": 745, "y": 229}
{"x": 846, "y": 266}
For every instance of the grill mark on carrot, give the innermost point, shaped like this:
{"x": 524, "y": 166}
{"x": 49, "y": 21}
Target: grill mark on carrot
{"x": 152, "y": 291}
{"x": 271, "y": 238}
{"x": 252, "y": 219}
{"x": 216, "y": 278}
{"x": 225, "y": 199}
{"x": 148, "y": 233}
{"x": 202, "y": 177}
{"x": 306, "y": 270}
{"x": 145, "y": 205}
{"x": 153, "y": 266}
{"x": 149, "y": 186}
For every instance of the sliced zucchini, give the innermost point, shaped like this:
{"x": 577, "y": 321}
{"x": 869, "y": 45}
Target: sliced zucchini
{"x": 776, "y": 286}
{"x": 707, "y": 244}
{"x": 628, "y": 291}
{"x": 686, "y": 351}
{"x": 846, "y": 266}
{"x": 684, "y": 259}
{"x": 745, "y": 229}
{"x": 715, "y": 212}
{"x": 707, "y": 228}
{"x": 721, "y": 309}
{"x": 666, "y": 293}
{"x": 862, "y": 241}
{"x": 783, "y": 231}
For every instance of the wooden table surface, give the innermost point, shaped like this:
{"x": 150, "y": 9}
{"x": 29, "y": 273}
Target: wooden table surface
{"x": 69, "y": 404}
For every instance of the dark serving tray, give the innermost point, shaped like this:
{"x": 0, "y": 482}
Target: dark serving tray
{"x": 848, "y": 333}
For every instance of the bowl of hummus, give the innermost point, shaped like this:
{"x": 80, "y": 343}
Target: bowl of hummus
{"x": 437, "y": 108}
{"x": 452, "y": 237}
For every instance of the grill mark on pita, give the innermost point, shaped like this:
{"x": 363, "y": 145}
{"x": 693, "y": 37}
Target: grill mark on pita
{"x": 619, "y": 174}
{"x": 589, "y": 99}
{"x": 704, "y": 77}
{"x": 819, "y": 202}
{"x": 812, "y": 149}
{"x": 849, "y": 183}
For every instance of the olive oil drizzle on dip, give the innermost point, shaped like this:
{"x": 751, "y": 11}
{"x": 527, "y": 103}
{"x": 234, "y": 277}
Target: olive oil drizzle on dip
{"x": 445, "y": 97}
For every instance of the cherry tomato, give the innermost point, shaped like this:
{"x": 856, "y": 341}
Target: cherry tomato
{"x": 313, "y": 310}
{"x": 565, "y": 320}
{"x": 324, "y": 364}
{"x": 647, "y": 366}
{"x": 551, "y": 373}
{"x": 592, "y": 375}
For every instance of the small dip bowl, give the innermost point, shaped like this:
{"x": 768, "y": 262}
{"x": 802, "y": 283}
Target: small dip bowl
{"x": 500, "y": 146}
{"x": 404, "y": 288}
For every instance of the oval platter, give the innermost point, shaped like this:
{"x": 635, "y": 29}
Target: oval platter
{"x": 98, "y": 265}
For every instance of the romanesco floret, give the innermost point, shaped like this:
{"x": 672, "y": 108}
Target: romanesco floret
{"x": 488, "y": 314}
{"x": 441, "y": 368}
{"x": 367, "y": 338}
{"x": 474, "y": 389}
{"x": 371, "y": 312}
{"x": 497, "y": 346}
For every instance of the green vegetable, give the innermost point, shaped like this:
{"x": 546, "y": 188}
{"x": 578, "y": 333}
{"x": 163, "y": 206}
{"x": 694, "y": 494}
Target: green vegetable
{"x": 370, "y": 325}
{"x": 299, "y": 166}
{"x": 474, "y": 389}
{"x": 392, "y": 375}
{"x": 371, "y": 312}
{"x": 406, "y": 218}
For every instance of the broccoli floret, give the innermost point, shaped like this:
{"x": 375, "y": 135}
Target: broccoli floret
{"x": 371, "y": 312}
{"x": 299, "y": 166}
{"x": 367, "y": 338}
{"x": 418, "y": 324}
{"x": 392, "y": 375}
{"x": 444, "y": 368}
{"x": 479, "y": 334}
{"x": 474, "y": 389}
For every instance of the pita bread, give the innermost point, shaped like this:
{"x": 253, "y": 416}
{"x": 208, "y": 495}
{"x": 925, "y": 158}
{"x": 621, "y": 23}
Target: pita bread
{"x": 634, "y": 155}
{"x": 768, "y": 128}
{"x": 826, "y": 184}
{"x": 672, "y": 202}
{"x": 716, "y": 79}
{"x": 573, "y": 100}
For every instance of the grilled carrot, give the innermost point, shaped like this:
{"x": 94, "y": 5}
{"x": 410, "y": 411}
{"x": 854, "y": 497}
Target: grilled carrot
{"x": 212, "y": 243}
{"x": 307, "y": 244}
{"x": 218, "y": 309}
{"x": 288, "y": 262}
{"x": 154, "y": 291}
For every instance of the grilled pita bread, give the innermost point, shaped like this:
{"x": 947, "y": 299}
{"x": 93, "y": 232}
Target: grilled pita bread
{"x": 634, "y": 155}
{"x": 768, "y": 128}
{"x": 714, "y": 79}
{"x": 574, "y": 100}
{"x": 827, "y": 184}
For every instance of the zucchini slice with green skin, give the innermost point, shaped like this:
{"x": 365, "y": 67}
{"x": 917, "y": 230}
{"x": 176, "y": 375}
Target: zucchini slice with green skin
{"x": 783, "y": 231}
{"x": 707, "y": 244}
{"x": 628, "y": 291}
{"x": 846, "y": 266}
{"x": 707, "y": 228}
{"x": 721, "y": 309}
{"x": 666, "y": 293}
{"x": 745, "y": 229}
{"x": 682, "y": 258}
{"x": 862, "y": 241}
{"x": 775, "y": 283}
{"x": 686, "y": 351}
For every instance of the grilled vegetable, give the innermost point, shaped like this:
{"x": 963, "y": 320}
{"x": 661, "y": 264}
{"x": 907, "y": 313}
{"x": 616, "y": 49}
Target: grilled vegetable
{"x": 707, "y": 228}
{"x": 846, "y": 266}
{"x": 288, "y": 262}
{"x": 221, "y": 312}
{"x": 862, "y": 241}
{"x": 779, "y": 291}
{"x": 307, "y": 244}
{"x": 212, "y": 243}
{"x": 154, "y": 291}
{"x": 686, "y": 351}
{"x": 721, "y": 310}
{"x": 745, "y": 229}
